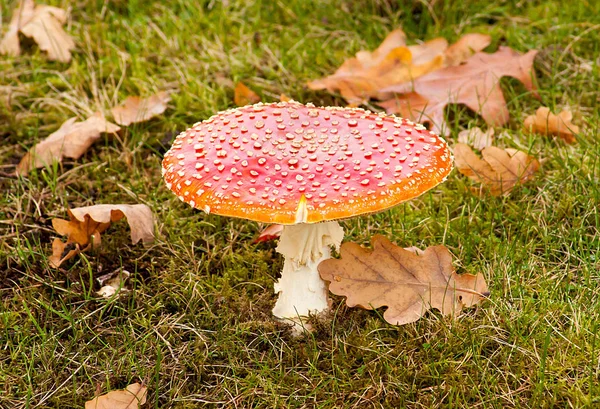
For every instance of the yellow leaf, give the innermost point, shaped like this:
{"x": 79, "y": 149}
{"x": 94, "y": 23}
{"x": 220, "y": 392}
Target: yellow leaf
{"x": 393, "y": 40}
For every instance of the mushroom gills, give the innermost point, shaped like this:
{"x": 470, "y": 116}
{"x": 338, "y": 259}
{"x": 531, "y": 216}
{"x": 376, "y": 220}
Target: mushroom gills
{"x": 301, "y": 290}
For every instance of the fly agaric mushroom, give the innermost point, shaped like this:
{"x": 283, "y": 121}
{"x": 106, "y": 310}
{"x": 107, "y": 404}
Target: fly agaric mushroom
{"x": 305, "y": 168}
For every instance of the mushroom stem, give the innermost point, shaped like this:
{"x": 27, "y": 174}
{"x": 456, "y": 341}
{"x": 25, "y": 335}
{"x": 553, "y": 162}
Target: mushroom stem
{"x": 301, "y": 289}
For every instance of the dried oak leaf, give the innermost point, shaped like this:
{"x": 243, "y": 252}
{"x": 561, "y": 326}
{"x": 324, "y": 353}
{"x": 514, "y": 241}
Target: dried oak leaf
{"x": 71, "y": 140}
{"x": 62, "y": 251}
{"x": 407, "y": 283}
{"x": 242, "y": 95}
{"x": 138, "y": 109}
{"x": 45, "y": 27}
{"x": 476, "y": 138}
{"x": 500, "y": 169}
{"x": 546, "y": 123}
{"x": 132, "y": 397}
{"x": 21, "y": 16}
{"x": 86, "y": 224}
{"x": 476, "y": 83}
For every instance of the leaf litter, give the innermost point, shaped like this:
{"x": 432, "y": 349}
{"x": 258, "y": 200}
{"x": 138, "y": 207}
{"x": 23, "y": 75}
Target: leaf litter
{"x": 404, "y": 281}
{"x": 74, "y": 138}
{"x": 85, "y": 225}
{"x": 476, "y": 84}
{"x": 43, "y": 24}
{"x": 71, "y": 140}
{"x": 365, "y": 75}
{"x": 500, "y": 170}
{"x": 22, "y": 15}
{"x": 137, "y": 109}
{"x": 544, "y": 122}
{"x": 418, "y": 81}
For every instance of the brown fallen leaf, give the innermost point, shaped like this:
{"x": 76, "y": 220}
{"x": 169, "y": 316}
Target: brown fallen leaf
{"x": 46, "y": 30}
{"x": 138, "y": 109}
{"x": 132, "y": 397}
{"x": 500, "y": 169}
{"x": 71, "y": 140}
{"x": 45, "y": 27}
{"x": 62, "y": 251}
{"x": 475, "y": 84}
{"x": 546, "y": 123}
{"x": 86, "y": 224}
{"x": 284, "y": 98}
{"x": 21, "y": 16}
{"x": 465, "y": 47}
{"x": 242, "y": 95}
{"x": 407, "y": 283}
{"x": 476, "y": 138}
{"x": 367, "y": 59}
{"x": 98, "y": 217}
{"x": 361, "y": 77}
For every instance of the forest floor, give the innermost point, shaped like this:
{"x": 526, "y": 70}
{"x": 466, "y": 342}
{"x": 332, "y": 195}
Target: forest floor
{"x": 196, "y": 326}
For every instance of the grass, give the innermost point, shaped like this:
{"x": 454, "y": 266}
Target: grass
{"x": 197, "y": 327}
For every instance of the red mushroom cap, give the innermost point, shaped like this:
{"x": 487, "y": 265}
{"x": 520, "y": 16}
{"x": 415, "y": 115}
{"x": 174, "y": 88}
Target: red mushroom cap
{"x": 289, "y": 163}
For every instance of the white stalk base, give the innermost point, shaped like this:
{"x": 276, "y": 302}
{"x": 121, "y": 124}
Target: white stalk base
{"x": 301, "y": 290}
